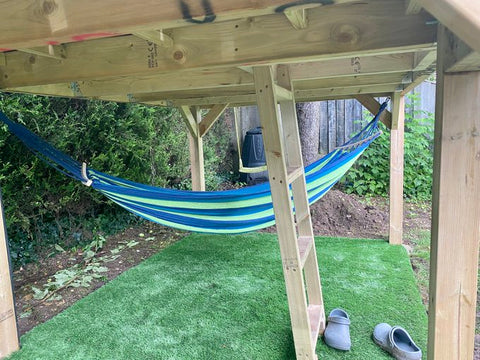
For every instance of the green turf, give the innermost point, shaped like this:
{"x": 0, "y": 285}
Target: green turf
{"x": 223, "y": 297}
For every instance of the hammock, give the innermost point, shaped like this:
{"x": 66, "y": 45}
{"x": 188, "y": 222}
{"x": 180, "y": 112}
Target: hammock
{"x": 223, "y": 212}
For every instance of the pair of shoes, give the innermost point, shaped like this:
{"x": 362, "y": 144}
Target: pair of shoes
{"x": 396, "y": 341}
{"x": 337, "y": 332}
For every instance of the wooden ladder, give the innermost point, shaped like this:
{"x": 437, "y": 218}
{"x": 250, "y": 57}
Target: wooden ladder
{"x": 294, "y": 228}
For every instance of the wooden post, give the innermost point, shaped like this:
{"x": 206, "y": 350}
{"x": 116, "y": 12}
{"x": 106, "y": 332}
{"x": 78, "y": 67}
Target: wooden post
{"x": 8, "y": 325}
{"x": 396, "y": 169}
{"x": 456, "y": 209}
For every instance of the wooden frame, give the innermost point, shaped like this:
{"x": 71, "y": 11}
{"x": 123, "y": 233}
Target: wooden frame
{"x": 204, "y": 53}
{"x": 456, "y": 211}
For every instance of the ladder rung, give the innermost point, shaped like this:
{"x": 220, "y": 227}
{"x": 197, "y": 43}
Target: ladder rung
{"x": 317, "y": 322}
{"x": 302, "y": 218}
{"x": 283, "y": 94}
{"x": 305, "y": 244}
{"x": 294, "y": 173}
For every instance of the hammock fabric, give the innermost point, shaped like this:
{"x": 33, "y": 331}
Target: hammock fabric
{"x": 224, "y": 212}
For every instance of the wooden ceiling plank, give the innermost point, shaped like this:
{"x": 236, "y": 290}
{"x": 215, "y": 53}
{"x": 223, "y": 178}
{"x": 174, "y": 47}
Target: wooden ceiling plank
{"x": 462, "y": 17}
{"x": 268, "y": 39}
{"x": 27, "y": 23}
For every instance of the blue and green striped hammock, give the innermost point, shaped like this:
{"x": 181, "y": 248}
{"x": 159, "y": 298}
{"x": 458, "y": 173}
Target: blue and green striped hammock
{"x": 223, "y": 212}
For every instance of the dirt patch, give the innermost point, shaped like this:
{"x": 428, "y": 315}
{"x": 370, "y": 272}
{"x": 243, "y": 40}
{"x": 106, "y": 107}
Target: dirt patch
{"x": 148, "y": 239}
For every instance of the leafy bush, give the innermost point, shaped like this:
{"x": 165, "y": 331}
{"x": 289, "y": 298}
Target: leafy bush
{"x": 139, "y": 143}
{"x": 371, "y": 174}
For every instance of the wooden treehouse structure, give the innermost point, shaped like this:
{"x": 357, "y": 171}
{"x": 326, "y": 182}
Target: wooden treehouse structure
{"x": 211, "y": 54}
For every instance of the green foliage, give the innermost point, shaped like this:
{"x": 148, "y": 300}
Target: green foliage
{"x": 135, "y": 142}
{"x": 371, "y": 173}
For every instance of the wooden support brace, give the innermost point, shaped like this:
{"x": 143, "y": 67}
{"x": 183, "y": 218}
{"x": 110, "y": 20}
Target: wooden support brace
{"x": 209, "y": 119}
{"x": 373, "y": 106}
{"x": 8, "y": 325}
{"x": 190, "y": 120}
{"x": 396, "y": 169}
{"x": 455, "y": 211}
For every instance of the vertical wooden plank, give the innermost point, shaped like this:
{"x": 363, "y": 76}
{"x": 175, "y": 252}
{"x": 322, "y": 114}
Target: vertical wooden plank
{"x": 349, "y": 117}
{"x": 323, "y": 133}
{"x": 340, "y": 110}
{"x": 282, "y": 206}
{"x": 8, "y": 325}
{"x": 358, "y": 116}
{"x": 332, "y": 125}
{"x": 455, "y": 211}
{"x": 196, "y": 154}
{"x": 396, "y": 169}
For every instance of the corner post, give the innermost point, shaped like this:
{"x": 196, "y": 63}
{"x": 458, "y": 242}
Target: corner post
{"x": 456, "y": 207}
{"x": 396, "y": 169}
{"x": 8, "y": 325}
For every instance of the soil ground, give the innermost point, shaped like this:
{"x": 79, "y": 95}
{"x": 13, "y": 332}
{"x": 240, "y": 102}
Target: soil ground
{"x": 336, "y": 214}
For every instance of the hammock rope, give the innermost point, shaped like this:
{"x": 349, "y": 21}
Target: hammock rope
{"x": 223, "y": 212}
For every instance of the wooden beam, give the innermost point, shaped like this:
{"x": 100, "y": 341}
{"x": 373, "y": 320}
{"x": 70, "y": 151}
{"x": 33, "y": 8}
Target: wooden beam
{"x": 267, "y": 39}
{"x": 372, "y": 105}
{"x": 196, "y": 158}
{"x": 171, "y": 81}
{"x": 3, "y": 59}
{"x": 8, "y": 325}
{"x": 26, "y": 25}
{"x": 212, "y": 116}
{"x": 156, "y": 37}
{"x": 462, "y": 58}
{"x": 462, "y": 17}
{"x": 355, "y": 80}
{"x": 455, "y": 212}
{"x": 190, "y": 120}
{"x": 396, "y": 169}
{"x": 357, "y": 65}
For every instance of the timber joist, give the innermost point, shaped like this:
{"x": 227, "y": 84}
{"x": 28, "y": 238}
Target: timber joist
{"x": 341, "y": 37}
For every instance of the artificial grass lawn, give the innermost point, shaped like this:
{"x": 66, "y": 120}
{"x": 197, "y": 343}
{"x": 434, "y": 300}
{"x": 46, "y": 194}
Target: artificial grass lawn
{"x": 223, "y": 297}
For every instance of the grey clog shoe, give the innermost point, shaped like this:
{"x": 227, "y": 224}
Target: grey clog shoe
{"x": 337, "y": 332}
{"x": 396, "y": 341}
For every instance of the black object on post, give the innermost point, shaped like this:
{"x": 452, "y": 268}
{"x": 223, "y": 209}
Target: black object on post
{"x": 253, "y": 155}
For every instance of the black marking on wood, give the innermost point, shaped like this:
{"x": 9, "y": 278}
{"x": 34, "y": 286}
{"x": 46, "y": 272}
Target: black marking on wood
{"x": 207, "y": 8}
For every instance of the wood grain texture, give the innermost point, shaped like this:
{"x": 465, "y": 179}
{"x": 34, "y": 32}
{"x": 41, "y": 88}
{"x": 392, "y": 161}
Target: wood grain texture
{"x": 278, "y": 176}
{"x": 27, "y": 23}
{"x": 462, "y": 17}
{"x": 337, "y": 31}
{"x": 396, "y": 169}
{"x": 8, "y": 326}
{"x": 455, "y": 213}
